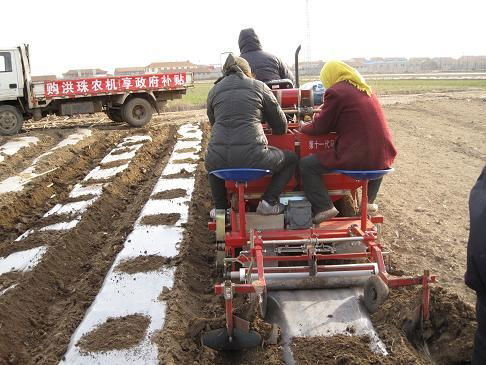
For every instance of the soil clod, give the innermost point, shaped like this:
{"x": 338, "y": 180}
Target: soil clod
{"x": 183, "y": 174}
{"x": 185, "y": 160}
{"x": 170, "y": 194}
{"x": 115, "y": 334}
{"x": 161, "y": 219}
{"x": 142, "y": 264}
{"x": 112, "y": 164}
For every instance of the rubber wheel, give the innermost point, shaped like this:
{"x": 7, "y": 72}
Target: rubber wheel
{"x": 137, "y": 112}
{"x": 375, "y": 293}
{"x": 220, "y": 256}
{"x": 11, "y": 120}
{"x": 114, "y": 115}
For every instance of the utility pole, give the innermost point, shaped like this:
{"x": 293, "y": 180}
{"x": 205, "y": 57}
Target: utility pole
{"x": 307, "y": 32}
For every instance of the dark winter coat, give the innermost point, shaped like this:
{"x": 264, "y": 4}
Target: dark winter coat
{"x": 476, "y": 247}
{"x": 364, "y": 139}
{"x": 236, "y": 106}
{"x": 264, "y": 65}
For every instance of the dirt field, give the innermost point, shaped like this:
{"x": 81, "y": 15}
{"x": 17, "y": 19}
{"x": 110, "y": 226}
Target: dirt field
{"x": 44, "y": 298}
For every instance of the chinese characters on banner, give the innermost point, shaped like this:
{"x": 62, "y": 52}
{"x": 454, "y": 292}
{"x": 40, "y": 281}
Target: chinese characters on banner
{"x": 117, "y": 84}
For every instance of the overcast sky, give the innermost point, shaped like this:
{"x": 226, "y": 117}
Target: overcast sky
{"x": 108, "y": 34}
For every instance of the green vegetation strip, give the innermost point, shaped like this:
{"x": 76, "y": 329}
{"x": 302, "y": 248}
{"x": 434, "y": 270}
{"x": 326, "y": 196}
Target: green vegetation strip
{"x": 196, "y": 96}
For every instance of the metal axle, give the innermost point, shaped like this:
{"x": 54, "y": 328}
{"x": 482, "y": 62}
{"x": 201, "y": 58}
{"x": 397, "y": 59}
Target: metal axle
{"x": 297, "y": 277}
{"x": 311, "y": 240}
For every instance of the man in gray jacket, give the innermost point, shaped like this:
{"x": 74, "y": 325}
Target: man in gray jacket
{"x": 264, "y": 65}
{"x": 236, "y": 107}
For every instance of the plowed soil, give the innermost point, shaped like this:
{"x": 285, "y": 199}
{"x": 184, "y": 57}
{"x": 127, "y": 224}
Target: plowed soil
{"x": 159, "y": 219}
{"x": 441, "y": 148}
{"x": 39, "y": 315}
{"x": 142, "y": 264}
{"x": 170, "y": 194}
{"x": 344, "y": 350}
{"x": 115, "y": 334}
{"x": 38, "y": 196}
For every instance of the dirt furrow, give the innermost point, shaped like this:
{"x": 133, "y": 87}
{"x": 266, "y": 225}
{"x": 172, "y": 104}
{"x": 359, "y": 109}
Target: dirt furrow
{"x": 425, "y": 201}
{"x": 102, "y": 122}
{"x": 19, "y": 209}
{"x": 191, "y": 305}
{"x": 422, "y": 184}
{"x": 39, "y": 315}
{"x": 22, "y": 159}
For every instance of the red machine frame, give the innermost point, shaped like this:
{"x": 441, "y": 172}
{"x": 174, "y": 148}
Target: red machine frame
{"x": 362, "y": 228}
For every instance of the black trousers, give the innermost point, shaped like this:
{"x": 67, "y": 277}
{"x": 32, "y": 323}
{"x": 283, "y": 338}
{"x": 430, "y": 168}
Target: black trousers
{"x": 280, "y": 178}
{"x": 479, "y": 351}
{"x": 310, "y": 171}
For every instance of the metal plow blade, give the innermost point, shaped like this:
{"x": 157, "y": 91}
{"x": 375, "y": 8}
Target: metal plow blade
{"x": 325, "y": 312}
{"x": 219, "y": 340}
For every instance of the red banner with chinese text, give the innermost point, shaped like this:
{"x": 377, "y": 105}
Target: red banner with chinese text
{"x": 113, "y": 85}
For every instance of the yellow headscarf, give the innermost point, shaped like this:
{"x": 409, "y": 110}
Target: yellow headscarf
{"x": 336, "y": 71}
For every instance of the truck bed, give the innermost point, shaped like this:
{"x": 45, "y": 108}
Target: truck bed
{"x": 83, "y": 87}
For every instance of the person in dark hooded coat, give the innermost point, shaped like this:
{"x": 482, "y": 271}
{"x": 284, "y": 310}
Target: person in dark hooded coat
{"x": 264, "y": 65}
{"x": 236, "y": 107}
{"x": 476, "y": 263}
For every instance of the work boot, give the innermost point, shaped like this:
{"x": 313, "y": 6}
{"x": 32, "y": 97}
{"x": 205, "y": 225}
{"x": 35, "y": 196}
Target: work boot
{"x": 325, "y": 215}
{"x": 264, "y": 208}
{"x": 372, "y": 208}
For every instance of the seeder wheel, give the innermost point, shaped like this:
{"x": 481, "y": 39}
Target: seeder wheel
{"x": 375, "y": 293}
{"x": 262, "y": 305}
{"x": 220, "y": 256}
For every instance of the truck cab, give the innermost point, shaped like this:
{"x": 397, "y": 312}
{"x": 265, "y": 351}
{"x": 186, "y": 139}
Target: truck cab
{"x": 11, "y": 90}
{"x": 11, "y": 77}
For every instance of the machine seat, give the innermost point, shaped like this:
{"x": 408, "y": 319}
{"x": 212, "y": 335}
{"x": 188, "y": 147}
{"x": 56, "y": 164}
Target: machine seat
{"x": 364, "y": 175}
{"x": 280, "y": 84}
{"x": 240, "y": 175}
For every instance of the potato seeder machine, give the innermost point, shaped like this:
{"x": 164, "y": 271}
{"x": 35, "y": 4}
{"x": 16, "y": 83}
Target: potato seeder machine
{"x": 286, "y": 252}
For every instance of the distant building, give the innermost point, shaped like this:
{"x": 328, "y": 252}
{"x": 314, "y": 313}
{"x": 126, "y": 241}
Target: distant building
{"x": 384, "y": 65}
{"x": 309, "y": 68}
{"x": 44, "y": 78}
{"x": 472, "y": 63}
{"x": 87, "y": 72}
{"x": 207, "y": 72}
{"x": 124, "y": 71}
{"x": 445, "y": 63}
{"x": 161, "y": 67}
{"x": 379, "y": 64}
{"x": 201, "y": 72}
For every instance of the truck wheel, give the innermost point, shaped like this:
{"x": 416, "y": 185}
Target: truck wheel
{"x": 137, "y": 112}
{"x": 11, "y": 120}
{"x": 114, "y": 114}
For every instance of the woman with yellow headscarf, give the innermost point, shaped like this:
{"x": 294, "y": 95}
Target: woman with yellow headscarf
{"x": 364, "y": 141}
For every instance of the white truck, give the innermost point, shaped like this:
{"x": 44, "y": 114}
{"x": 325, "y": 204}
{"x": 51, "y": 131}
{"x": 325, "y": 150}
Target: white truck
{"x": 130, "y": 99}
